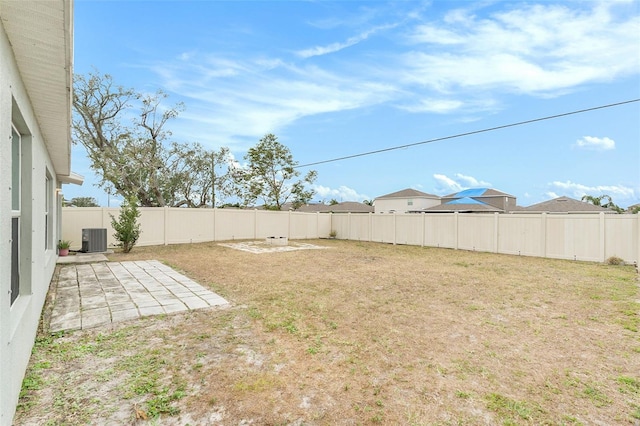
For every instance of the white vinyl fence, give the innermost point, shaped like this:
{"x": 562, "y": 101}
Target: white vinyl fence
{"x": 589, "y": 237}
{"x": 165, "y": 225}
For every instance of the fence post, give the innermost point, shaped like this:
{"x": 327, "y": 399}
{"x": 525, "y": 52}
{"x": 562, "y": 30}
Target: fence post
{"x": 371, "y": 226}
{"x": 455, "y": 230}
{"x": 255, "y": 224}
{"x": 637, "y": 259}
{"x": 424, "y": 215}
{"x": 214, "y": 222}
{"x": 496, "y": 234}
{"x": 603, "y": 239}
{"x": 289, "y": 225}
{"x": 395, "y": 229}
{"x": 166, "y": 224}
{"x": 543, "y": 234}
{"x": 331, "y": 228}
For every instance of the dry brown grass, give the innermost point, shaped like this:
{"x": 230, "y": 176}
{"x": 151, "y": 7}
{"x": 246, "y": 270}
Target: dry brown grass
{"x": 361, "y": 333}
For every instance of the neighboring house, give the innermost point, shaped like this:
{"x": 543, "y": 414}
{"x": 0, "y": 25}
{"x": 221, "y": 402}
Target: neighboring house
{"x": 475, "y": 200}
{"x": 635, "y": 208}
{"x": 344, "y": 207}
{"x": 36, "y": 68}
{"x": 405, "y": 201}
{"x": 563, "y": 205}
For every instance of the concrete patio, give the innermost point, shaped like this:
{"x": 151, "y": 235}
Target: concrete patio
{"x": 95, "y": 294}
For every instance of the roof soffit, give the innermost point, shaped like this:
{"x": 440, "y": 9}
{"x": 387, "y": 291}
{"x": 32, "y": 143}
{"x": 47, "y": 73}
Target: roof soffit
{"x": 41, "y": 36}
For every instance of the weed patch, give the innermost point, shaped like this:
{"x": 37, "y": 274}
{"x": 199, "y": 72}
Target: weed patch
{"x": 511, "y": 410}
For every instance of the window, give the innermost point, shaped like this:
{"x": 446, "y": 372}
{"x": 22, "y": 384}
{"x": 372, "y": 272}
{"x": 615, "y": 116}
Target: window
{"x": 16, "y": 188}
{"x": 409, "y": 202}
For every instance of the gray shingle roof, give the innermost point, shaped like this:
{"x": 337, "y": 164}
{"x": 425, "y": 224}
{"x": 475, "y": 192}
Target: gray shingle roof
{"x": 344, "y": 207}
{"x": 564, "y": 205}
{"x": 408, "y": 193}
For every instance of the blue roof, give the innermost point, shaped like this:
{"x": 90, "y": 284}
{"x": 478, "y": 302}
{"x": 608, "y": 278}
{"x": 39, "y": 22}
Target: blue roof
{"x": 473, "y": 192}
{"x": 465, "y": 200}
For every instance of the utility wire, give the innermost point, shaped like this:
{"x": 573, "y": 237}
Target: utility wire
{"x": 474, "y": 132}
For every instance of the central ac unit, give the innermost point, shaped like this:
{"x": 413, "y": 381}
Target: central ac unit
{"x": 94, "y": 240}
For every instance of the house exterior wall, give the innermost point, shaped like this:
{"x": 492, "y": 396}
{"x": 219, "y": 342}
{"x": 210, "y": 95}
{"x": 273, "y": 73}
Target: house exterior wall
{"x": 19, "y": 321}
{"x": 504, "y": 203}
{"x": 403, "y": 205}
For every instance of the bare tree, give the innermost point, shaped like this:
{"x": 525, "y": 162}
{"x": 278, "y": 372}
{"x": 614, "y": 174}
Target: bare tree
{"x": 138, "y": 159}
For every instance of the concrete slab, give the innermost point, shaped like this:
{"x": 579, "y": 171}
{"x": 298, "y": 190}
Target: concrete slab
{"x": 150, "y": 310}
{"x": 98, "y": 294}
{"x": 82, "y": 258}
{"x": 260, "y": 247}
{"x": 127, "y": 314}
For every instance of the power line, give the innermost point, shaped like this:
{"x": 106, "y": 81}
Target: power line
{"x": 474, "y": 132}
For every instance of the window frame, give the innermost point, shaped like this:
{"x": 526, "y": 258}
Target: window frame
{"x": 16, "y": 211}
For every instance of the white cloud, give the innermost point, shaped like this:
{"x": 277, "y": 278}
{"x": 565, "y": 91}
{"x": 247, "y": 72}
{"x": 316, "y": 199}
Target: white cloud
{"x": 243, "y": 101}
{"x": 470, "y": 181}
{"x": 534, "y": 49}
{"x": 460, "y": 64}
{"x": 577, "y": 190}
{"x": 431, "y": 34}
{"x": 458, "y": 182}
{"x": 342, "y": 193}
{"x": 595, "y": 143}
{"x": 551, "y": 195}
{"x": 438, "y": 106}
{"x": 337, "y": 46}
{"x": 446, "y": 184}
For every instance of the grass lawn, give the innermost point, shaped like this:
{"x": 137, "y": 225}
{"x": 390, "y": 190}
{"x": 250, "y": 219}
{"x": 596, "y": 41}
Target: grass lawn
{"x": 358, "y": 333}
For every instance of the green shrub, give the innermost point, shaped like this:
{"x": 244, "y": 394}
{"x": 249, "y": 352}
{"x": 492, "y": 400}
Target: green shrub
{"x": 127, "y": 227}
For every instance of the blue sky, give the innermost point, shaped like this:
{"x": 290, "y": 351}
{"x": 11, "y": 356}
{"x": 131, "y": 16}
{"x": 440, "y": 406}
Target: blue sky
{"x": 333, "y": 79}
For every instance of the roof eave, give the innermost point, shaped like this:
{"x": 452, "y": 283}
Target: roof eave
{"x": 41, "y": 35}
{"x": 72, "y": 177}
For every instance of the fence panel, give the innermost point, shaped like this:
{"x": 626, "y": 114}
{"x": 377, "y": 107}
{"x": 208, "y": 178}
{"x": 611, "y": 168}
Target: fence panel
{"x": 622, "y": 236}
{"x": 188, "y": 225}
{"x": 152, "y": 226}
{"x": 408, "y": 229}
{"x": 340, "y": 225}
{"x": 233, "y": 224}
{"x": 476, "y": 232}
{"x": 521, "y": 234}
{"x": 303, "y": 226}
{"x": 575, "y": 236}
{"x": 440, "y": 230}
{"x": 359, "y": 228}
{"x": 271, "y": 224}
{"x": 383, "y": 228}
